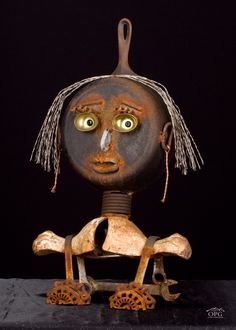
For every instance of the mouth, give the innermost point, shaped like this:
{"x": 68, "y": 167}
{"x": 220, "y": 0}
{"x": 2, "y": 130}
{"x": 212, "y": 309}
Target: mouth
{"x": 105, "y": 166}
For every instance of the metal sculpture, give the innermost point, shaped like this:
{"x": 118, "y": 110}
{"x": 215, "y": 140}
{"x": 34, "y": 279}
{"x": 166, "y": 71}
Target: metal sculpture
{"x": 120, "y": 132}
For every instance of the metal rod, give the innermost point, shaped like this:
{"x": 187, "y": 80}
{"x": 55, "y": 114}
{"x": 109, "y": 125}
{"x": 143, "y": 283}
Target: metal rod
{"x": 154, "y": 289}
{"x": 68, "y": 258}
{"x": 145, "y": 256}
{"x": 82, "y": 270}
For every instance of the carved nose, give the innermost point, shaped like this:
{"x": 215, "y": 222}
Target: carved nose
{"x": 105, "y": 140}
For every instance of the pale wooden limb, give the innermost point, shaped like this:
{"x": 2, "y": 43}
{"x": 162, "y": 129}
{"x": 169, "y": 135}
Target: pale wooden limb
{"x": 84, "y": 241}
{"x": 48, "y": 242}
{"x": 123, "y": 238}
{"x": 175, "y": 244}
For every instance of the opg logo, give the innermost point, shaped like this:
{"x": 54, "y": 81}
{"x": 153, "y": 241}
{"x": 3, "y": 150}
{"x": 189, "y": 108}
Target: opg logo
{"x": 215, "y": 313}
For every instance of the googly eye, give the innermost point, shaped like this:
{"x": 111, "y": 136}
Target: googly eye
{"x": 125, "y": 122}
{"x": 85, "y": 121}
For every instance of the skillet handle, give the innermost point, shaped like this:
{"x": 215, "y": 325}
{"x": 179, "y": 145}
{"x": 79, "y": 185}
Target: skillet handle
{"x": 124, "y": 38}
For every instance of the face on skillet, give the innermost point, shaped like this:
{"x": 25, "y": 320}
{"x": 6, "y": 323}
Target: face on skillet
{"x": 112, "y": 132}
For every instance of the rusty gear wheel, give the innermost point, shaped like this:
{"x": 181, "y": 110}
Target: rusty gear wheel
{"x": 69, "y": 293}
{"x": 127, "y": 299}
{"x": 132, "y": 297}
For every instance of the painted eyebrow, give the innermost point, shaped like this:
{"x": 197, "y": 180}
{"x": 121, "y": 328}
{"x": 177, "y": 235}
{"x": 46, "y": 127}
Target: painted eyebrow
{"x": 132, "y": 106}
{"x": 80, "y": 107}
{"x": 90, "y": 104}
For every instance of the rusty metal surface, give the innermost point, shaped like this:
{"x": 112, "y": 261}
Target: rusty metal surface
{"x": 81, "y": 270}
{"x": 69, "y": 293}
{"x": 175, "y": 245}
{"x": 48, "y": 242}
{"x": 137, "y": 156}
{"x": 147, "y": 252}
{"x": 111, "y": 286}
{"x": 123, "y": 237}
{"x": 116, "y": 202}
{"x": 158, "y": 269}
{"x": 132, "y": 296}
{"x": 116, "y": 133}
{"x": 128, "y": 161}
{"x": 124, "y": 37}
{"x": 84, "y": 241}
{"x": 165, "y": 293}
{"x": 68, "y": 258}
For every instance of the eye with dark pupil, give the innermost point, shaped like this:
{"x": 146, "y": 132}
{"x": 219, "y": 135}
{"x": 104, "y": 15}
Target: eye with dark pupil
{"x": 90, "y": 122}
{"x": 128, "y": 124}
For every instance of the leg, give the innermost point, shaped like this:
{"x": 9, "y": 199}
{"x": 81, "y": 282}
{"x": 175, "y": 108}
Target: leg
{"x": 69, "y": 292}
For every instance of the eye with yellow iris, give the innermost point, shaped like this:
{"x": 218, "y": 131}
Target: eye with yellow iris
{"x": 125, "y": 122}
{"x": 86, "y": 121}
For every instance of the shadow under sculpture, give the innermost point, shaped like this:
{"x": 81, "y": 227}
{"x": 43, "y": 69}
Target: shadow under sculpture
{"x": 120, "y": 132}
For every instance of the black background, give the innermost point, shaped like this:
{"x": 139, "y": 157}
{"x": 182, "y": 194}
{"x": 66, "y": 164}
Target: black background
{"x": 186, "y": 45}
